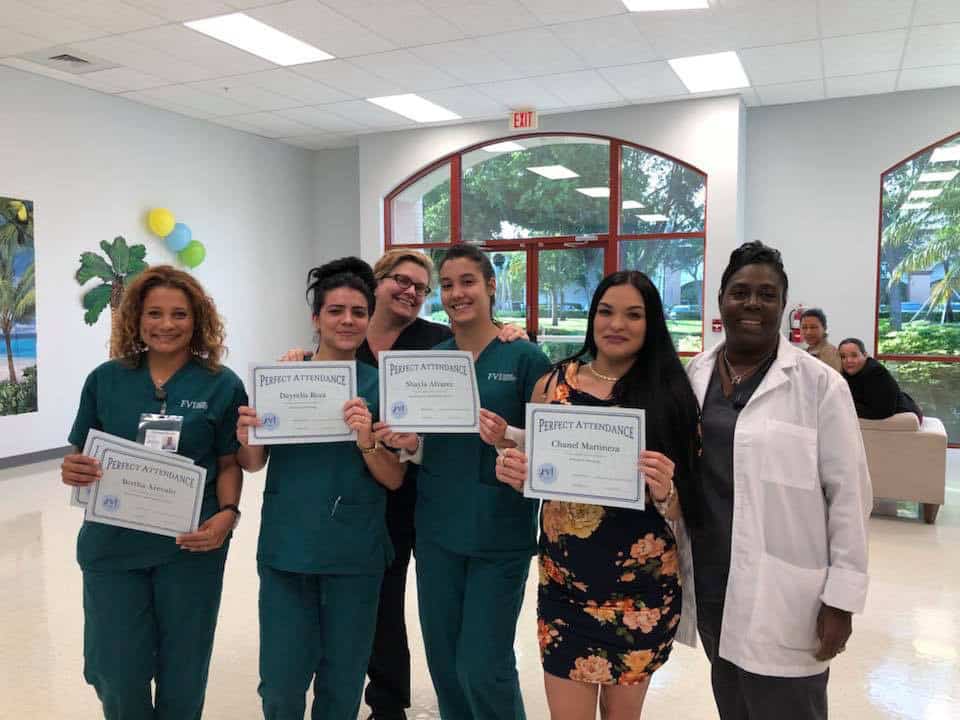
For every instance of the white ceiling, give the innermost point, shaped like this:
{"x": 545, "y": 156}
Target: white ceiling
{"x": 478, "y": 58}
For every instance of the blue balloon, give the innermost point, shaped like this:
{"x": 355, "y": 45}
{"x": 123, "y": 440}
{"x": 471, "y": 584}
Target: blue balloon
{"x": 179, "y": 238}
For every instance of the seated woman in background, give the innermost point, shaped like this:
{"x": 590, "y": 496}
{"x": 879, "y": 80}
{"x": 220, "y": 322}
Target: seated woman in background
{"x": 875, "y": 392}
{"x": 813, "y": 327}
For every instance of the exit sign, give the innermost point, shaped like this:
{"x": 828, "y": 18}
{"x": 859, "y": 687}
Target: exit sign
{"x": 523, "y": 120}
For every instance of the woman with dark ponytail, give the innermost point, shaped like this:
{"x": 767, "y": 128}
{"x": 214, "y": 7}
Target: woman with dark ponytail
{"x": 609, "y": 600}
{"x": 323, "y": 539}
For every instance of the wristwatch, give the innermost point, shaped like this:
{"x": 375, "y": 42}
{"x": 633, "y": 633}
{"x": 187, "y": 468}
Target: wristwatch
{"x": 232, "y": 507}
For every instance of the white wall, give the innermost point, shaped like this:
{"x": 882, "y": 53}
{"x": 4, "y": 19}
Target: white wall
{"x": 93, "y": 165}
{"x": 337, "y": 212}
{"x": 813, "y": 191}
{"x": 706, "y": 133}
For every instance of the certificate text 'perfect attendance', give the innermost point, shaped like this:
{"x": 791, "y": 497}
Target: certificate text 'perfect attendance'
{"x": 264, "y": 379}
{"x": 547, "y": 425}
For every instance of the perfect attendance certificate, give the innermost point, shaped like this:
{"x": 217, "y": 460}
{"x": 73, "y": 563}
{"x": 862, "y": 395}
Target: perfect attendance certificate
{"x": 432, "y": 391}
{"x": 301, "y": 402}
{"x": 146, "y": 490}
{"x": 585, "y": 455}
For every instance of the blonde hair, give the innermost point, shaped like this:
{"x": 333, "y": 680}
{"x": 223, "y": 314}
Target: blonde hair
{"x": 391, "y": 258}
{"x": 206, "y": 345}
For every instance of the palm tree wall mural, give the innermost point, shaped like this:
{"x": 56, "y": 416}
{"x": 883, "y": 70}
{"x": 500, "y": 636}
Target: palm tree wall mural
{"x": 18, "y": 301}
{"x": 115, "y": 269}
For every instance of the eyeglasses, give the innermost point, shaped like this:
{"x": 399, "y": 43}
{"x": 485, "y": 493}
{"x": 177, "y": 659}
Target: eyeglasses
{"x": 405, "y": 282}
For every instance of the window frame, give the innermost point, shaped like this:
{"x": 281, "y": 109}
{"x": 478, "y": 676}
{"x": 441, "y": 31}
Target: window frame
{"x": 609, "y": 241}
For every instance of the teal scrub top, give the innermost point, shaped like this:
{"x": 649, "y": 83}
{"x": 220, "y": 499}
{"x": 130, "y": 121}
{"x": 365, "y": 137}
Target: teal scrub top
{"x": 323, "y": 512}
{"x": 113, "y": 398}
{"x": 461, "y": 505}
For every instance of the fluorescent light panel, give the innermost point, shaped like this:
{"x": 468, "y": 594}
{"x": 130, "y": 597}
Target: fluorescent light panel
{"x": 946, "y": 154}
{"x": 414, "y": 107}
{"x": 932, "y": 177}
{"x": 595, "y": 192}
{"x": 717, "y": 71}
{"x": 660, "y": 5}
{"x": 508, "y": 146}
{"x": 632, "y": 205}
{"x": 653, "y": 218}
{"x": 553, "y": 172}
{"x": 243, "y": 32}
{"x": 925, "y": 193}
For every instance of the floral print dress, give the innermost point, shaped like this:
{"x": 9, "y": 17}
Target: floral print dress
{"x": 609, "y": 596}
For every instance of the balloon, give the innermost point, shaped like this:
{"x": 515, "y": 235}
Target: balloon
{"x": 179, "y": 238}
{"x": 193, "y": 254}
{"x": 161, "y": 221}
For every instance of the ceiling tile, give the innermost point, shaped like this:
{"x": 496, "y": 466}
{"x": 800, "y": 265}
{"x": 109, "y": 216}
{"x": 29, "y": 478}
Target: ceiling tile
{"x": 164, "y": 104}
{"x": 929, "y": 77}
{"x": 869, "y": 84}
{"x": 551, "y": 12}
{"x": 518, "y": 94}
{"x": 532, "y": 52}
{"x": 320, "y": 118}
{"x": 321, "y": 141}
{"x": 407, "y": 20}
{"x": 466, "y": 102}
{"x": 36, "y": 68}
{"x": 304, "y": 90}
{"x": 613, "y": 40}
{"x": 181, "y": 10}
{"x": 322, "y": 27}
{"x": 935, "y": 12}
{"x": 783, "y": 94}
{"x": 851, "y": 17}
{"x": 199, "y": 49}
{"x": 267, "y": 124}
{"x": 859, "y": 54}
{"x": 483, "y": 17}
{"x": 644, "y": 81}
{"x": 933, "y": 45}
{"x": 782, "y": 63}
{"x": 123, "y": 51}
{"x": 242, "y": 90}
{"x": 49, "y": 26}
{"x": 109, "y": 16}
{"x": 13, "y": 42}
{"x": 466, "y": 60}
{"x": 350, "y": 79}
{"x": 583, "y": 88}
{"x": 208, "y": 104}
{"x": 373, "y": 116}
{"x": 121, "y": 79}
{"x": 405, "y": 69}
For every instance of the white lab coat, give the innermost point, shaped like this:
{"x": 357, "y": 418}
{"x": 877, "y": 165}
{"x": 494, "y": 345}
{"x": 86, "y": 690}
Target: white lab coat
{"x": 802, "y": 497}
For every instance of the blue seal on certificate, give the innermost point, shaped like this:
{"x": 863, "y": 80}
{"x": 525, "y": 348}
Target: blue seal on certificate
{"x": 110, "y": 503}
{"x": 270, "y": 421}
{"x": 547, "y": 473}
{"x": 398, "y": 410}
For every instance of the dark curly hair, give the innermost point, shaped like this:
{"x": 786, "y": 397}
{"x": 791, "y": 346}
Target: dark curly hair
{"x": 349, "y": 272}
{"x": 817, "y": 313}
{"x": 754, "y": 253}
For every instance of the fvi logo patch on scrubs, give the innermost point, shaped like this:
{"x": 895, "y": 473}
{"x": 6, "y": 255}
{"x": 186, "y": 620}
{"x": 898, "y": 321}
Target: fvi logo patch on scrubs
{"x": 502, "y": 377}
{"x": 110, "y": 503}
{"x": 398, "y": 409}
{"x": 547, "y": 473}
{"x": 270, "y": 421}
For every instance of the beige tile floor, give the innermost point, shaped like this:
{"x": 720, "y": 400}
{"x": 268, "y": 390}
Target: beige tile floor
{"x": 901, "y": 663}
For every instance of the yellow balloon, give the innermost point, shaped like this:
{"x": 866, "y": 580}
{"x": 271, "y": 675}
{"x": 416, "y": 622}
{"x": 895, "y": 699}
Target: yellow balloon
{"x": 161, "y": 221}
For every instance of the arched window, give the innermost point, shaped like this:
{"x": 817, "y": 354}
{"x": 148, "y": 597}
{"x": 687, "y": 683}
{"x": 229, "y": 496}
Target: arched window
{"x": 557, "y": 212}
{"x": 918, "y": 293}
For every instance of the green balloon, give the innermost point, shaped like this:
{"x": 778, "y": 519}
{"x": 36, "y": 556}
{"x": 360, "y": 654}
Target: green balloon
{"x": 193, "y": 254}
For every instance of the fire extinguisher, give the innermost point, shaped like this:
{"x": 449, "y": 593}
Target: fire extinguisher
{"x": 796, "y": 312}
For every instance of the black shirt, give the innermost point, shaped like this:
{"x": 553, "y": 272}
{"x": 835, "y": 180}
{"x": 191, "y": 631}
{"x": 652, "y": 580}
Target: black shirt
{"x": 877, "y": 395}
{"x": 711, "y": 541}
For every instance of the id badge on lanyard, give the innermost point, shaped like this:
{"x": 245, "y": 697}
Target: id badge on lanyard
{"x": 160, "y": 432}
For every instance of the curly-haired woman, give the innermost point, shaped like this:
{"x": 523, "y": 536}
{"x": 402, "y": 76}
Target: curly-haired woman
{"x": 150, "y": 609}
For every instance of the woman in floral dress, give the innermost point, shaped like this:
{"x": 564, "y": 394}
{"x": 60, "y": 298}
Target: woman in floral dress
{"x": 610, "y": 596}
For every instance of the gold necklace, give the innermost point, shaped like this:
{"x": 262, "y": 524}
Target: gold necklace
{"x": 605, "y": 378}
{"x": 737, "y": 379}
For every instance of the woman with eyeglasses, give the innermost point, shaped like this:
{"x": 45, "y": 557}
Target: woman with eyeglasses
{"x": 403, "y": 284}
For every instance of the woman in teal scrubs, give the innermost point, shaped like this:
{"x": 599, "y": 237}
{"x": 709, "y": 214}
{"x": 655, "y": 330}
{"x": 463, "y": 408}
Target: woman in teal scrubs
{"x": 475, "y": 536}
{"x": 150, "y": 602}
{"x": 323, "y": 536}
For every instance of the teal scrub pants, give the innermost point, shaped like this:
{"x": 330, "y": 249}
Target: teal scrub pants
{"x": 468, "y": 615}
{"x": 152, "y": 624}
{"x": 320, "y": 628}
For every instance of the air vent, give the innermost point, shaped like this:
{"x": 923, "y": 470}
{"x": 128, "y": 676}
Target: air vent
{"x": 68, "y": 58}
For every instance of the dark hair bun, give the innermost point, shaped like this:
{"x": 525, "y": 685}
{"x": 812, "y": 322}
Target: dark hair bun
{"x": 343, "y": 266}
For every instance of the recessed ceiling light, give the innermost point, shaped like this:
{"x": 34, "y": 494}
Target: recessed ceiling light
{"x": 632, "y": 205}
{"x": 931, "y": 177}
{"x": 553, "y": 172}
{"x": 925, "y": 193}
{"x": 595, "y": 192}
{"x": 653, "y": 218}
{"x": 660, "y": 5}
{"x": 508, "y": 146}
{"x": 915, "y": 206}
{"x": 255, "y": 37}
{"x": 946, "y": 154}
{"x": 414, "y": 107}
{"x": 717, "y": 71}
